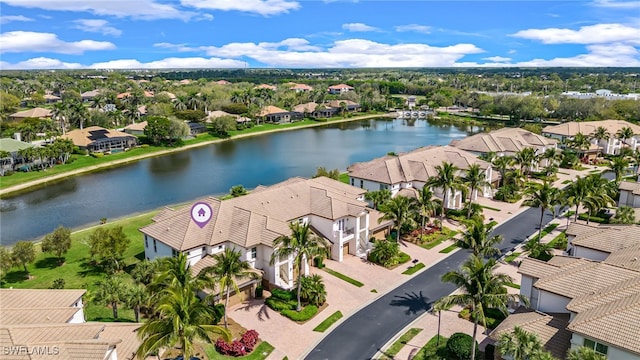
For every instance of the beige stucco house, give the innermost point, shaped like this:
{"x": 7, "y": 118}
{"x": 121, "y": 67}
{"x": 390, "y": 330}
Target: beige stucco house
{"x": 611, "y": 146}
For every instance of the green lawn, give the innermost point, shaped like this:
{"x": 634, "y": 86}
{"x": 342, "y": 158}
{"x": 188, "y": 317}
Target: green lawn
{"x": 549, "y": 228}
{"x": 343, "y": 277}
{"x": 449, "y": 249}
{"x": 324, "y": 325}
{"x": 511, "y": 257}
{"x": 413, "y": 269}
{"x": 344, "y": 177}
{"x": 77, "y": 270}
{"x": 395, "y": 348}
{"x": 261, "y": 352}
{"x": 490, "y": 208}
{"x": 433, "y": 349}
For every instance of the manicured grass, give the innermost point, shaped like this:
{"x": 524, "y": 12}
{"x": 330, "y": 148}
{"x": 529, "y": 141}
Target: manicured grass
{"x": 343, "y": 277}
{"x": 395, "y": 348}
{"x": 437, "y": 238}
{"x": 433, "y": 349}
{"x": 549, "y": 228}
{"x": 511, "y": 257}
{"x": 448, "y": 249}
{"x": 513, "y": 285}
{"x": 559, "y": 242}
{"x": 567, "y": 181}
{"x": 412, "y": 270}
{"x": 323, "y": 326}
{"x": 77, "y": 270}
{"x": 261, "y": 352}
{"x": 344, "y": 177}
{"x": 490, "y": 208}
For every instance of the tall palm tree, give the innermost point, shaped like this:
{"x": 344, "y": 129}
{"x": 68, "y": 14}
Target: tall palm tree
{"x": 427, "y": 205}
{"x": 580, "y": 142}
{"x": 480, "y": 289}
{"x": 576, "y": 192}
{"x": 624, "y": 134}
{"x": 227, "y": 270}
{"x": 110, "y": 291}
{"x": 478, "y": 238}
{"x": 619, "y": 166}
{"x": 447, "y": 180}
{"x": 398, "y": 209}
{"x": 552, "y": 155}
{"x": 526, "y": 158}
{"x": 475, "y": 178}
{"x": 601, "y": 133}
{"x": 624, "y": 215}
{"x": 377, "y": 197}
{"x": 181, "y": 320}
{"x": 544, "y": 196}
{"x": 136, "y": 296}
{"x": 302, "y": 245}
{"x": 174, "y": 271}
{"x": 502, "y": 163}
{"x": 519, "y": 344}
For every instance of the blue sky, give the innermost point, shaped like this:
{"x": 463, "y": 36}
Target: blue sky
{"x": 70, "y": 34}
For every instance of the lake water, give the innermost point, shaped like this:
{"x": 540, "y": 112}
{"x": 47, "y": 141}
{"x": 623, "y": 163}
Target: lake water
{"x": 212, "y": 170}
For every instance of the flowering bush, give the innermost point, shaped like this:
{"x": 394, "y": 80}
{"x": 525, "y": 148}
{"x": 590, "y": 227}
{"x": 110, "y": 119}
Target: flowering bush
{"x": 241, "y": 347}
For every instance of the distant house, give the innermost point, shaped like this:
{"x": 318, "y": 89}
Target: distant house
{"x": 12, "y": 147}
{"x": 349, "y": 105}
{"x": 604, "y": 243}
{"x": 38, "y": 112}
{"x": 98, "y": 139}
{"x": 265, "y": 86}
{"x": 316, "y": 111}
{"x": 136, "y": 129}
{"x": 51, "y": 99}
{"x": 275, "y": 114}
{"x": 410, "y": 171}
{"x": 89, "y": 95}
{"x": 339, "y": 89}
{"x": 611, "y": 146}
{"x": 223, "y": 82}
{"x": 410, "y": 102}
{"x": 301, "y": 88}
{"x": 629, "y": 194}
{"x": 123, "y": 95}
{"x": 170, "y": 95}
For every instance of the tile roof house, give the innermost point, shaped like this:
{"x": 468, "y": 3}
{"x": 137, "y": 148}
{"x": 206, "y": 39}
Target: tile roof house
{"x": 250, "y": 224}
{"x": 98, "y": 139}
{"x": 276, "y": 115}
{"x": 339, "y": 89}
{"x": 599, "y": 301}
{"x": 349, "y": 105}
{"x": 265, "y": 86}
{"x": 629, "y": 194}
{"x": 38, "y": 112}
{"x": 136, "y": 128}
{"x": 89, "y": 95}
{"x": 611, "y": 146}
{"x": 301, "y": 88}
{"x": 33, "y": 306}
{"x": 413, "y": 169}
{"x": 223, "y": 82}
{"x": 612, "y": 244}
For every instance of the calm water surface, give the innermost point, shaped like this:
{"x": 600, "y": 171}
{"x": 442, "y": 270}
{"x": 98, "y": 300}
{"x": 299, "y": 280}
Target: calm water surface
{"x": 211, "y": 170}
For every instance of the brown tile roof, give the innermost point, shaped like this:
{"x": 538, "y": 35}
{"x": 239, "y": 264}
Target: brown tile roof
{"x": 628, "y": 257}
{"x": 38, "y": 298}
{"x": 305, "y": 108}
{"x": 609, "y": 239}
{"x": 338, "y": 103}
{"x": 24, "y": 316}
{"x": 540, "y": 269}
{"x": 270, "y": 110}
{"x": 505, "y": 140}
{"x": 588, "y": 127}
{"x": 137, "y": 126}
{"x": 633, "y": 187}
{"x": 340, "y": 86}
{"x": 259, "y": 217}
{"x": 45, "y": 333}
{"x": 127, "y": 333}
{"x": 417, "y": 165}
{"x": 550, "y": 329}
{"x": 301, "y": 87}
{"x": 575, "y": 229}
{"x": 88, "y": 135}
{"x": 32, "y": 113}
{"x": 265, "y": 86}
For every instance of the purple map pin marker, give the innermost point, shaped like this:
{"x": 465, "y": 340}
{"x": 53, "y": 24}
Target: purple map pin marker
{"x": 201, "y": 213}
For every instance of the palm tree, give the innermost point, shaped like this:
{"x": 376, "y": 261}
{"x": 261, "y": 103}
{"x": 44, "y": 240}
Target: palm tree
{"x": 519, "y": 344}
{"x": 227, "y": 270}
{"x": 619, "y": 166}
{"x": 480, "y": 289}
{"x": 174, "y": 271}
{"x": 427, "y": 205}
{"x": 584, "y": 353}
{"x": 526, "y": 158}
{"x": 136, "y": 296}
{"x": 475, "y": 178}
{"x": 502, "y": 163}
{"x": 302, "y": 245}
{"x": 580, "y": 142}
{"x": 385, "y": 252}
{"x": 181, "y": 320}
{"x": 538, "y": 250}
{"x": 601, "y": 133}
{"x": 313, "y": 289}
{"x": 552, "y": 155}
{"x": 447, "y": 180}
{"x": 636, "y": 159}
{"x": 576, "y": 192}
{"x": 398, "y": 209}
{"x": 544, "y": 196}
{"x": 624, "y": 215}
{"x": 378, "y": 197}
{"x": 477, "y": 237}
{"x": 624, "y": 134}
{"x": 111, "y": 291}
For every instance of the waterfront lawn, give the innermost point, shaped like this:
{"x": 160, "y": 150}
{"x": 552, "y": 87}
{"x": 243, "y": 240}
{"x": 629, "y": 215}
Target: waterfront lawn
{"x": 77, "y": 270}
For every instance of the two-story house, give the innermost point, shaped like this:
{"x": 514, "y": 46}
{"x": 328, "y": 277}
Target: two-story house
{"x": 251, "y": 223}
{"x": 413, "y": 169}
{"x": 339, "y": 89}
{"x": 610, "y": 146}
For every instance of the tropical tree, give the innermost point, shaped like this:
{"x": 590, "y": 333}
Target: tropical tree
{"x": 427, "y": 205}
{"x": 302, "y": 245}
{"x": 238, "y": 190}
{"x": 385, "y": 252}
{"x": 23, "y": 254}
{"x": 313, "y": 289}
{"x": 576, "y": 192}
{"x": 174, "y": 271}
{"x": 552, "y": 155}
{"x": 331, "y": 174}
{"x": 144, "y": 272}
{"x": 377, "y": 197}
{"x": 519, "y": 344}
{"x": 478, "y": 237}
{"x": 480, "y": 289}
{"x": 111, "y": 291}
{"x": 228, "y": 269}
{"x": 584, "y": 353}
{"x": 625, "y": 134}
{"x": 181, "y": 320}
{"x": 135, "y": 297}
{"x": 447, "y": 180}
{"x": 475, "y": 178}
{"x": 526, "y": 158}
{"x": 624, "y": 215}
{"x": 6, "y": 260}
{"x": 399, "y": 209}
{"x": 544, "y": 196}
{"x": 601, "y": 133}
{"x": 108, "y": 246}
{"x": 538, "y": 250}
{"x": 502, "y": 163}
{"x": 619, "y": 166}
{"x": 58, "y": 242}
{"x": 580, "y": 142}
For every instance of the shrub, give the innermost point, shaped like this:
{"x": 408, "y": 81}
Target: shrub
{"x": 459, "y": 346}
{"x": 97, "y": 155}
{"x": 285, "y": 295}
{"x": 403, "y": 258}
{"x": 279, "y": 304}
{"x": 305, "y": 314}
{"x": 57, "y": 284}
{"x": 241, "y": 347}
{"x": 385, "y": 253}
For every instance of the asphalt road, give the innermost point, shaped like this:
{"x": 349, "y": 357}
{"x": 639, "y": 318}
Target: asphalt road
{"x": 363, "y": 334}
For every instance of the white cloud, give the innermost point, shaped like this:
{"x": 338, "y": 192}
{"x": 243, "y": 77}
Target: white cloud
{"x": 614, "y": 55}
{"x": 262, "y": 7}
{"x": 617, "y": 4}
{"x": 27, "y": 41}
{"x": 414, "y": 28}
{"x": 97, "y": 26}
{"x": 512, "y": 51}
{"x": 10, "y": 18}
{"x": 170, "y": 63}
{"x": 39, "y": 63}
{"x": 139, "y": 9}
{"x": 498, "y": 59}
{"x": 592, "y": 34}
{"x": 359, "y": 27}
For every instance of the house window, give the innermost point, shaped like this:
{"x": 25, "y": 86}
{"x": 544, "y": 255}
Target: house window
{"x": 599, "y": 348}
{"x": 204, "y": 249}
{"x": 146, "y": 241}
{"x": 361, "y": 184}
{"x": 384, "y": 187}
{"x": 341, "y": 223}
{"x": 353, "y": 181}
{"x": 155, "y": 246}
{"x": 254, "y": 252}
{"x": 174, "y": 252}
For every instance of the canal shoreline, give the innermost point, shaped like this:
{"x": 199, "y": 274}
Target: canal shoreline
{"x": 43, "y": 181}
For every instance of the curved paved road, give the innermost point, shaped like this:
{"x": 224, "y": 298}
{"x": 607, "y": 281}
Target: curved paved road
{"x": 365, "y": 332}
